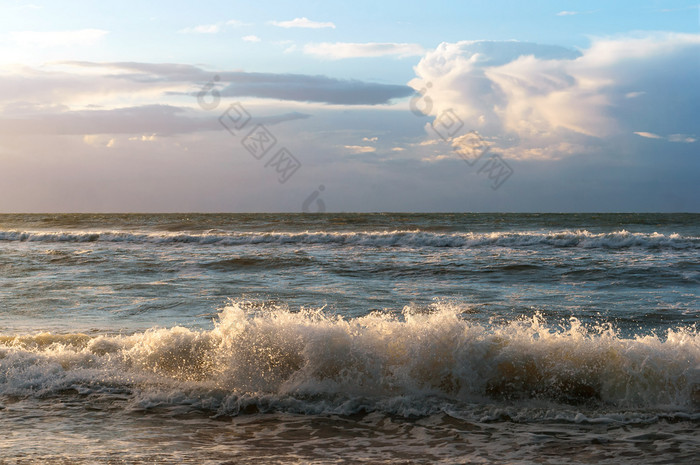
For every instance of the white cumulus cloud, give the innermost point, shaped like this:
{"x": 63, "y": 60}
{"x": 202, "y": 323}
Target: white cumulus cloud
{"x": 99, "y": 140}
{"x": 360, "y": 148}
{"x": 303, "y": 23}
{"x": 542, "y": 101}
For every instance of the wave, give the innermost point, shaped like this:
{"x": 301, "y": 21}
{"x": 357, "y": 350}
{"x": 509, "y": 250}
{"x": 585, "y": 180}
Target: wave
{"x": 266, "y": 262}
{"x": 410, "y": 364}
{"x": 566, "y": 238}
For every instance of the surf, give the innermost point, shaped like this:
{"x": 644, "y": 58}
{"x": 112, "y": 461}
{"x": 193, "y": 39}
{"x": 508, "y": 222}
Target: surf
{"x": 269, "y": 358}
{"x": 396, "y": 238}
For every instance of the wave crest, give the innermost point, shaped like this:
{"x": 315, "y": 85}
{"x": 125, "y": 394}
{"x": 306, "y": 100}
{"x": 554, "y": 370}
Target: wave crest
{"x": 566, "y": 238}
{"x": 412, "y": 363}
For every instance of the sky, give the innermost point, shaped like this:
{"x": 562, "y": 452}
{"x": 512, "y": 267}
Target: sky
{"x": 273, "y": 106}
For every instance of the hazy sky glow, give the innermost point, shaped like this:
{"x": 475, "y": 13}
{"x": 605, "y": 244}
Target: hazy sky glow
{"x": 389, "y": 106}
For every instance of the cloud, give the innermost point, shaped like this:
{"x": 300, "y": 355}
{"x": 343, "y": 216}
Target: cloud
{"x": 470, "y": 146}
{"x": 555, "y": 150}
{"x": 276, "y": 119}
{"x": 305, "y": 88}
{"x": 163, "y": 120}
{"x": 93, "y": 82}
{"x": 370, "y": 139}
{"x": 685, "y": 138}
{"x": 303, "y": 23}
{"x": 648, "y": 135}
{"x": 543, "y": 101}
{"x": 47, "y": 39}
{"x": 65, "y": 174}
{"x": 99, "y": 140}
{"x": 682, "y": 138}
{"x": 574, "y": 13}
{"x": 339, "y": 50}
{"x": 202, "y": 29}
{"x": 144, "y": 138}
{"x": 438, "y": 158}
{"x": 139, "y": 70}
{"x": 251, "y": 38}
{"x": 360, "y": 148}
{"x": 212, "y": 28}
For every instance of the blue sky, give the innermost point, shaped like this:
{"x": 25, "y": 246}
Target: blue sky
{"x": 402, "y": 106}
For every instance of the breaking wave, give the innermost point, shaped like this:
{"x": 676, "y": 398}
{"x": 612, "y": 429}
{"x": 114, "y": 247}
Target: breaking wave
{"x": 415, "y": 363}
{"x": 580, "y": 238}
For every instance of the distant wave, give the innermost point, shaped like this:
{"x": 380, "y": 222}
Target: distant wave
{"x": 414, "y": 364}
{"x": 566, "y": 238}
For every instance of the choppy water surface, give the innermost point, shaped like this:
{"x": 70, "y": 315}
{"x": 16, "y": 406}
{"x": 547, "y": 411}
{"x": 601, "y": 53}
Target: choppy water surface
{"x": 384, "y": 338}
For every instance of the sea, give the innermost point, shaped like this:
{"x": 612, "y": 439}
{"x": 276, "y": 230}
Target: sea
{"x": 349, "y": 338}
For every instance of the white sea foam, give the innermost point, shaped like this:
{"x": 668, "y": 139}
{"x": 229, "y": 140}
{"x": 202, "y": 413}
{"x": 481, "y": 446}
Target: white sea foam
{"x": 412, "y": 364}
{"x": 564, "y": 238}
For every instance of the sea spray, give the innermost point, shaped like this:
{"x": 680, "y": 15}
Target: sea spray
{"x": 269, "y": 358}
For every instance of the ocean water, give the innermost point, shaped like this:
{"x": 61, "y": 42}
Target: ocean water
{"x": 349, "y": 338}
